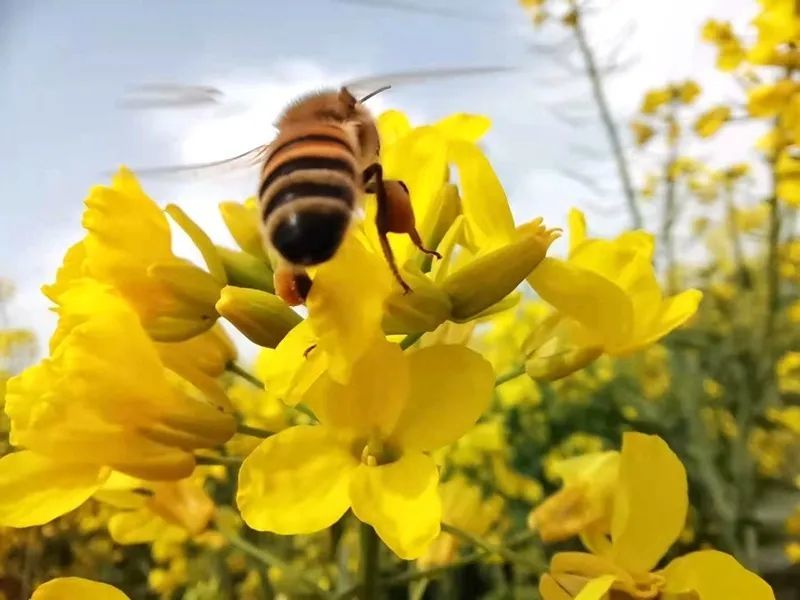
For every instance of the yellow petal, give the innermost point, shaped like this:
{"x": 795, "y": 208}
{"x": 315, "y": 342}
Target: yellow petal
{"x": 296, "y": 481}
{"x": 483, "y": 199}
{"x": 673, "y": 313}
{"x": 35, "y": 489}
{"x": 65, "y": 588}
{"x": 290, "y": 370}
{"x": 650, "y": 503}
{"x": 597, "y": 303}
{"x": 577, "y": 228}
{"x": 596, "y": 589}
{"x": 451, "y": 386}
{"x": 714, "y": 575}
{"x": 345, "y": 324}
{"x": 392, "y": 126}
{"x": 550, "y": 590}
{"x": 242, "y": 222}
{"x": 136, "y": 526}
{"x": 401, "y": 501}
{"x": 373, "y": 398}
{"x": 464, "y": 126}
{"x": 201, "y": 241}
{"x": 262, "y": 317}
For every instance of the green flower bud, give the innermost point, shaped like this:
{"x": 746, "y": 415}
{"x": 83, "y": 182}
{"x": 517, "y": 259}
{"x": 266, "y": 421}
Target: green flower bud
{"x": 262, "y": 317}
{"x": 245, "y": 270}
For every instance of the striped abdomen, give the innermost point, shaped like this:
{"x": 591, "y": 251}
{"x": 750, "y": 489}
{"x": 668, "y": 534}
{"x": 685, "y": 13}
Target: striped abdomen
{"x": 309, "y": 187}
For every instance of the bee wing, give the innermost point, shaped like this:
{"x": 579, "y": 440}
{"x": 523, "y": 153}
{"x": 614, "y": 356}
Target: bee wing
{"x": 170, "y": 95}
{"x": 245, "y": 160}
{"x": 367, "y": 85}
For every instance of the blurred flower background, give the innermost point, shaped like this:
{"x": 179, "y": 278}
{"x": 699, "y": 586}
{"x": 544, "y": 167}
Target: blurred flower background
{"x": 593, "y": 394}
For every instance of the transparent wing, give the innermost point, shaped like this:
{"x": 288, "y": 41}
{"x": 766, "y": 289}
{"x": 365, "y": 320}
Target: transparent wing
{"x": 366, "y": 85}
{"x": 428, "y": 9}
{"x": 170, "y": 95}
{"x": 245, "y": 160}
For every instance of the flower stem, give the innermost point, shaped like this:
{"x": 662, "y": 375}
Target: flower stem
{"x": 244, "y": 374}
{"x": 268, "y": 558}
{"x": 218, "y": 460}
{"x": 410, "y": 340}
{"x": 253, "y": 431}
{"x": 370, "y": 547}
{"x": 612, "y": 131}
{"x": 509, "y": 375}
{"x": 490, "y": 548}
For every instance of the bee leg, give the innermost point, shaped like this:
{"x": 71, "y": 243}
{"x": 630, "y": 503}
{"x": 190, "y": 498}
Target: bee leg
{"x": 401, "y": 214}
{"x": 291, "y": 285}
{"x": 382, "y": 218}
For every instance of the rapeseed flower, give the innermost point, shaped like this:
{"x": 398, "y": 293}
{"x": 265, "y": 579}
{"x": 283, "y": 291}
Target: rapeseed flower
{"x": 103, "y": 400}
{"x": 369, "y": 452}
{"x": 607, "y": 300}
{"x": 649, "y": 509}
{"x": 128, "y": 245}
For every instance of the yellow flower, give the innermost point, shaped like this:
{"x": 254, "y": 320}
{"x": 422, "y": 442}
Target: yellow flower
{"x": 103, "y": 400}
{"x": 128, "y": 245}
{"x": 688, "y": 91}
{"x": 75, "y": 587}
{"x": 584, "y": 502}
{"x": 788, "y": 173}
{"x": 769, "y": 99}
{"x": 788, "y": 371}
{"x": 778, "y": 32}
{"x": 650, "y": 504}
{"x": 167, "y": 510}
{"x": 654, "y": 99}
{"x": 712, "y": 120}
{"x": 730, "y": 51}
{"x": 465, "y": 507}
{"x": 607, "y": 298}
{"x": 642, "y": 132}
{"x": 369, "y": 451}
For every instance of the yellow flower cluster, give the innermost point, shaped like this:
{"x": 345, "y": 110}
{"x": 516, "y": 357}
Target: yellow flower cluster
{"x": 386, "y": 408}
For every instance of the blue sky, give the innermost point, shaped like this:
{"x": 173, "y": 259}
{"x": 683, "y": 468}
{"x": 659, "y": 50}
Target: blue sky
{"x": 64, "y": 65}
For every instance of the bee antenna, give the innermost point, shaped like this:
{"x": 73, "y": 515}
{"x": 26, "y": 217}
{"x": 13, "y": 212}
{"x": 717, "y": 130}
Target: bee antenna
{"x": 375, "y": 93}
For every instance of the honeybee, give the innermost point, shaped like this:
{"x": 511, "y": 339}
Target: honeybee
{"x": 315, "y": 174}
{"x": 313, "y": 178}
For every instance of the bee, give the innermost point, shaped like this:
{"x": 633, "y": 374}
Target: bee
{"x": 314, "y": 175}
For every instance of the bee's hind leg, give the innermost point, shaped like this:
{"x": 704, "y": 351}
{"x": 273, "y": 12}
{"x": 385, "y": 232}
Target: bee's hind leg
{"x": 394, "y": 215}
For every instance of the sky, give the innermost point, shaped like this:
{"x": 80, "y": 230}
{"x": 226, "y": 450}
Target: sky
{"x": 64, "y": 67}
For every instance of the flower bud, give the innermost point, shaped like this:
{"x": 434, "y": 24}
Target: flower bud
{"x": 490, "y": 277}
{"x": 424, "y": 309}
{"x": 242, "y": 222}
{"x": 194, "y": 293}
{"x": 262, "y": 317}
{"x": 246, "y": 270}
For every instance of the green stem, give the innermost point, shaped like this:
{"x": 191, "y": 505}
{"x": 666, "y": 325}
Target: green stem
{"x": 606, "y": 117}
{"x": 490, "y": 548}
{"x": 234, "y": 461}
{"x": 736, "y": 241}
{"x": 253, "y": 431}
{"x": 370, "y": 548}
{"x": 270, "y": 559}
{"x": 410, "y": 340}
{"x": 244, "y": 374}
{"x": 508, "y": 376}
